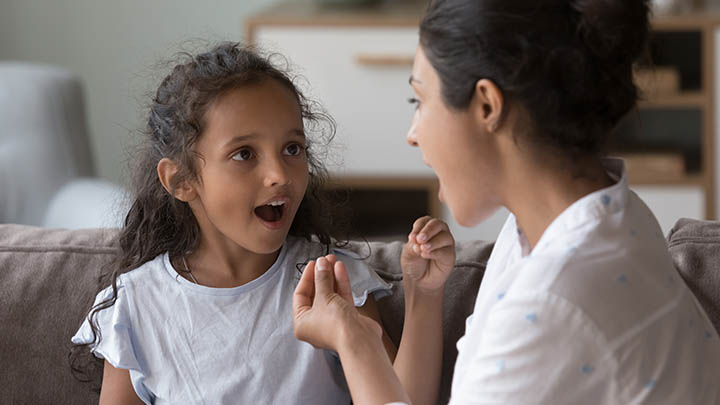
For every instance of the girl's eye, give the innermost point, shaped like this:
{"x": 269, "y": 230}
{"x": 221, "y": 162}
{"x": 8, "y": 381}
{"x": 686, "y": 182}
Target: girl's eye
{"x": 243, "y": 154}
{"x": 414, "y": 101}
{"x": 294, "y": 149}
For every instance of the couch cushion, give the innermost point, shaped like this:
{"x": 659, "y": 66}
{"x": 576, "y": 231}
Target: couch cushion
{"x": 695, "y": 248}
{"x": 48, "y": 280}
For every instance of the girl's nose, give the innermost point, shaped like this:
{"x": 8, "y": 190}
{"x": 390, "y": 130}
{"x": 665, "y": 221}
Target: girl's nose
{"x": 276, "y": 173}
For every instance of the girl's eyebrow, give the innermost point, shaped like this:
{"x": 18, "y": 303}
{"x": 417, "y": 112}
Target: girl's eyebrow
{"x": 244, "y": 138}
{"x": 240, "y": 138}
{"x": 413, "y": 79}
{"x": 297, "y": 132}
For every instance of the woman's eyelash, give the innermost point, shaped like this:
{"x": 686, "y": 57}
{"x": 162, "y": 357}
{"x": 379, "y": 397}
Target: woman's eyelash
{"x": 413, "y": 100}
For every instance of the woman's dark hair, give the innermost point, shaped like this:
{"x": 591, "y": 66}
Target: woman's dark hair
{"x": 567, "y": 63}
{"x": 158, "y": 223}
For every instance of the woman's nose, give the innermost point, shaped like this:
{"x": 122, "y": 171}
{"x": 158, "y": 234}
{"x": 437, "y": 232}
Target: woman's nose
{"x": 410, "y": 137}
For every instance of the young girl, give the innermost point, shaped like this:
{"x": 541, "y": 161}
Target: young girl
{"x": 199, "y": 309}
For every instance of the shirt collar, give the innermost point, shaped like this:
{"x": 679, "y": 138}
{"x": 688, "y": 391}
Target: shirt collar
{"x": 590, "y": 208}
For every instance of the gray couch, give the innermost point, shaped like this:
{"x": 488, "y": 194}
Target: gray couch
{"x": 48, "y": 278}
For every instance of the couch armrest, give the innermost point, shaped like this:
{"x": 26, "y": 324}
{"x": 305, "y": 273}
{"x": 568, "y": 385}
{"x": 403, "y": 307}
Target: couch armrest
{"x": 87, "y": 203}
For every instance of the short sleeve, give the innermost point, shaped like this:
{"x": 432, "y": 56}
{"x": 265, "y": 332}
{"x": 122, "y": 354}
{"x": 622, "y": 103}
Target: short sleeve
{"x": 116, "y": 342}
{"x": 537, "y": 350}
{"x": 363, "y": 280}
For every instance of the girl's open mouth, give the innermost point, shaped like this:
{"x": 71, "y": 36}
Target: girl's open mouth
{"x": 272, "y": 213}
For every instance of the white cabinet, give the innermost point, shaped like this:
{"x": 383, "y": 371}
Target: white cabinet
{"x": 344, "y": 70}
{"x": 672, "y": 203}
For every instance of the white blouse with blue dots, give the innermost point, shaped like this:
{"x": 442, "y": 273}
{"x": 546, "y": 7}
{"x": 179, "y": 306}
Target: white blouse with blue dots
{"x": 595, "y": 314}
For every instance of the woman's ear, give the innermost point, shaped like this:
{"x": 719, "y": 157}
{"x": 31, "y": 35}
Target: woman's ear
{"x": 488, "y": 104}
{"x": 166, "y": 170}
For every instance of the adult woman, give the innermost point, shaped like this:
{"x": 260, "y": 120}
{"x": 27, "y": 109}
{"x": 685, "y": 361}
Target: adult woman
{"x": 580, "y": 302}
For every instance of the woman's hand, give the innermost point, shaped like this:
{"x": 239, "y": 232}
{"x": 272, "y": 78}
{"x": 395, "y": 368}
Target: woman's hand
{"x": 429, "y": 255}
{"x": 323, "y": 311}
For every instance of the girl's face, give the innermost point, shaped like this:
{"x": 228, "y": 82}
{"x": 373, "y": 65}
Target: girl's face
{"x": 253, "y": 168}
{"x": 461, "y": 151}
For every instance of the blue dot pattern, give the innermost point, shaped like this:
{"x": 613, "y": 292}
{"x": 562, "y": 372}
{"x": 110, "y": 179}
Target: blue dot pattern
{"x": 500, "y": 365}
{"x": 708, "y": 334}
{"x": 587, "y": 369}
{"x": 605, "y": 200}
{"x": 622, "y": 279}
{"x": 501, "y": 295}
{"x": 651, "y": 384}
{"x": 531, "y": 317}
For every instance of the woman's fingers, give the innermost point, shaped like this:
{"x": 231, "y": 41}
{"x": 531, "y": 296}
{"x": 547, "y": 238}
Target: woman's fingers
{"x": 305, "y": 290}
{"x": 342, "y": 282}
{"x": 324, "y": 279}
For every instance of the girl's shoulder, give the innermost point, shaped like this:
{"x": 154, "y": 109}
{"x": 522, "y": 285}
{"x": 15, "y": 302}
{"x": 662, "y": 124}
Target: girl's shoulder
{"x": 147, "y": 275}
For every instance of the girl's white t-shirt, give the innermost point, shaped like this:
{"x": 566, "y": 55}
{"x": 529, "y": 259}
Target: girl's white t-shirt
{"x": 595, "y": 314}
{"x": 185, "y": 343}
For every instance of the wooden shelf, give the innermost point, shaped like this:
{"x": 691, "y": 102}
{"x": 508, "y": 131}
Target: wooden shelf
{"x": 696, "y": 99}
{"x": 402, "y": 13}
{"x": 429, "y": 185}
{"x": 684, "y": 180}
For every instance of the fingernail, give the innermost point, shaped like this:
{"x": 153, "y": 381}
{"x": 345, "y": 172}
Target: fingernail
{"x": 426, "y": 246}
{"x": 322, "y": 264}
{"x": 416, "y": 249}
{"x": 422, "y": 237}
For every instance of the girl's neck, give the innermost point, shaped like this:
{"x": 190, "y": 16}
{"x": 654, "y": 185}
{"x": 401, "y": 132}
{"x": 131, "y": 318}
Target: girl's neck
{"x": 538, "y": 194}
{"x": 217, "y": 266}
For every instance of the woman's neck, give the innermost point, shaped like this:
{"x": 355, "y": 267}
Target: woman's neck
{"x": 540, "y": 193}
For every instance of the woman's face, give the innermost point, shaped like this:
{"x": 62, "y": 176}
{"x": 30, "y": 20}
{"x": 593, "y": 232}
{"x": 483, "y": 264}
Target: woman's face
{"x": 457, "y": 145}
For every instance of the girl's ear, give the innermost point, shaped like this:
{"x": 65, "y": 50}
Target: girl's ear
{"x": 488, "y": 104}
{"x": 166, "y": 170}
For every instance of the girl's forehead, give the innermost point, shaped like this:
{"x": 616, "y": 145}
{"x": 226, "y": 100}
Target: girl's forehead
{"x": 257, "y": 113}
{"x": 251, "y": 105}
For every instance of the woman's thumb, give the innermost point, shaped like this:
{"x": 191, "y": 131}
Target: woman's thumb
{"x": 324, "y": 280}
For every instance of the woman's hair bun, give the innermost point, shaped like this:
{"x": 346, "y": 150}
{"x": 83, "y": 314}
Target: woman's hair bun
{"x": 613, "y": 29}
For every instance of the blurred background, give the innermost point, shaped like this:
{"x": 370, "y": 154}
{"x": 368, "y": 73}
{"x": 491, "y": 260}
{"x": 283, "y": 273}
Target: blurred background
{"x": 75, "y": 77}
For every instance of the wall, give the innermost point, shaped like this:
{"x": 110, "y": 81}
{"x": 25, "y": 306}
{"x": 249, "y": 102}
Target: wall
{"x": 114, "y": 47}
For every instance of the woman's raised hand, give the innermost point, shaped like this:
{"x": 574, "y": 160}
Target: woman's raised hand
{"x": 323, "y": 309}
{"x": 429, "y": 255}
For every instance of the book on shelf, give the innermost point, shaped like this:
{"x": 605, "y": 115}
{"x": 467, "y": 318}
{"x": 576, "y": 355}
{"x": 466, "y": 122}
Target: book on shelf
{"x": 657, "y": 81}
{"x": 655, "y": 166}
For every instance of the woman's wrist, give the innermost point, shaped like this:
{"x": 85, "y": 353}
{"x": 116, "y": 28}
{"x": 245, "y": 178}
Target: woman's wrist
{"x": 353, "y": 332}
